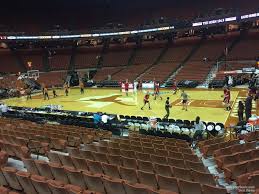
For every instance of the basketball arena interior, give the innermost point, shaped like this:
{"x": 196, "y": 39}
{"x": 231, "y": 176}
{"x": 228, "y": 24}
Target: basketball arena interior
{"x": 129, "y": 97}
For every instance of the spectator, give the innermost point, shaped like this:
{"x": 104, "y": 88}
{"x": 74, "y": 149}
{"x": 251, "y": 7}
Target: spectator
{"x": 248, "y": 106}
{"x": 97, "y": 120}
{"x": 241, "y": 108}
{"x": 105, "y": 118}
{"x": 199, "y": 128}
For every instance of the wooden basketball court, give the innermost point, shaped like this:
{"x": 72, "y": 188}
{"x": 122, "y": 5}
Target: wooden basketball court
{"x": 204, "y": 103}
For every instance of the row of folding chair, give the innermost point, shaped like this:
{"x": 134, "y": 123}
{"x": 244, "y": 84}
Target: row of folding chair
{"x": 14, "y": 150}
{"x": 208, "y": 150}
{"x": 231, "y": 172}
{"x": 234, "y": 149}
{"x": 213, "y": 140}
{"x": 34, "y": 184}
{"x": 146, "y": 154}
{"x": 157, "y": 149}
{"x": 147, "y": 139}
{"x": 249, "y": 179}
{"x": 172, "y": 167}
{"x": 156, "y": 181}
{"x": 239, "y": 157}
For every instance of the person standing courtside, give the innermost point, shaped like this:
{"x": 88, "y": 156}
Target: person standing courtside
{"x": 46, "y": 93}
{"x": 167, "y": 108}
{"x": 66, "y": 89}
{"x": 184, "y": 100}
{"x": 81, "y": 85}
{"x": 54, "y": 92}
{"x": 28, "y": 92}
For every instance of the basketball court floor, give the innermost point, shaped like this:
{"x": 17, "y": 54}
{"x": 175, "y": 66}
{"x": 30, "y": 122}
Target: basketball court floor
{"x": 204, "y": 103}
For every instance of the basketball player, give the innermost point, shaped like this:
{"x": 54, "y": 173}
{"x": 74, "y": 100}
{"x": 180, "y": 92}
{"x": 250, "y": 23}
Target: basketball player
{"x": 157, "y": 91}
{"x": 184, "y": 100}
{"x": 167, "y": 108}
{"x": 66, "y": 89}
{"x": 81, "y": 85}
{"x": 126, "y": 87}
{"x": 227, "y": 98}
{"x": 28, "y": 92}
{"x": 174, "y": 87}
{"x": 54, "y": 92}
{"x": 46, "y": 94}
{"x": 146, "y": 101}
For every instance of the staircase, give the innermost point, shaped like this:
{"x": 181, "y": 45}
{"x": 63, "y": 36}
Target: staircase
{"x": 156, "y": 62}
{"x": 221, "y": 60}
{"x": 71, "y": 66}
{"x": 175, "y": 72}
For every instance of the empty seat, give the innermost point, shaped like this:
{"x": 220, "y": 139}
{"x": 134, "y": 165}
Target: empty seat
{"x": 53, "y": 157}
{"x": 148, "y": 150}
{"x": 129, "y": 162}
{"x": 187, "y": 187}
{"x": 58, "y": 172}
{"x": 161, "y": 152}
{"x": 168, "y": 183}
{"x": 30, "y": 165}
{"x": 100, "y": 157}
{"x": 75, "y": 177}
{"x": 114, "y": 159}
{"x": 203, "y": 178}
{"x": 73, "y": 189}
{"x": 25, "y": 181}
{"x": 57, "y": 187}
{"x": 147, "y": 179}
{"x": 102, "y": 149}
{"x": 86, "y": 154}
{"x": 44, "y": 169}
{"x": 191, "y": 157}
{"x": 176, "y": 162}
{"x": 176, "y": 155}
{"x": 94, "y": 166}
{"x": 114, "y": 151}
{"x": 158, "y": 159}
{"x": 145, "y": 166}
{"x": 94, "y": 182}
{"x": 111, "y": 170}
{"x": 135, "y": 189}
{"x": 129, "y": 174}
{"x": 66, "y": 160}
{"x": 80, "y": 163}
{"x": 143, "y": 156}
{"x": 10, "y": 177}
{"x": 113, "y": 186}
{"x": 128, "y": 153}
{"x": 164, "y": 170}
{"x": 209, "y": 189}
{"x": 198, "y": 166}
{"x": 40, "y": 184}
{"x": 4, "y": 190}
{"x": 182, "y": 173}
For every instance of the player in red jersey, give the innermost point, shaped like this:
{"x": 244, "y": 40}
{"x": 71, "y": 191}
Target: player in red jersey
{"x": 227, "y": 98}
{"x": 126, "y": 87}
{"x": 174, "y": 87}
{"x": 157, "y": 90}
{"x": 146, "y": 101}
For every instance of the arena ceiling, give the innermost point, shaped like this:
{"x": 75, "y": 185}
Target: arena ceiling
{"x": 95, "y": 13}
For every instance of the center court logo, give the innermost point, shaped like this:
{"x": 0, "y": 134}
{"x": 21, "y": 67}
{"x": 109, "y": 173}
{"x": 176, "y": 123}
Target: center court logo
{"x": 105, "y": 100}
